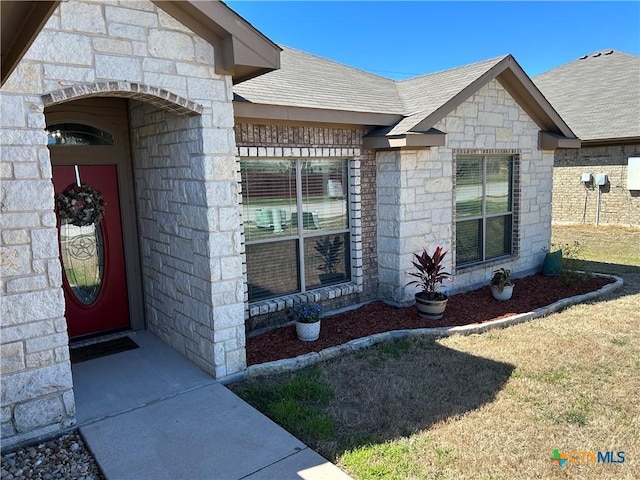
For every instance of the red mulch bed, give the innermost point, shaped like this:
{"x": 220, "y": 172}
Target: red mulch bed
{"x": 477, "y": 306}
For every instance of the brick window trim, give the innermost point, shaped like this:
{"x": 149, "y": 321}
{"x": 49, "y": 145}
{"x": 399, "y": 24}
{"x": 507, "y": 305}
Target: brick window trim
{"x": 356, "y": 285}
{"x": 517, "y": 192}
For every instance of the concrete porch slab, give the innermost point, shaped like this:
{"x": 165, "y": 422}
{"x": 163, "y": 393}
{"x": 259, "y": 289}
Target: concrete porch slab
{"x": 117, "y": 383}
{"x": 149, "y": 413}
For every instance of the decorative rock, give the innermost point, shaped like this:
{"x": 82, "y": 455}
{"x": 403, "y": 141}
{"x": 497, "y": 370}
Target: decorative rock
{"x": 62, "y": 458}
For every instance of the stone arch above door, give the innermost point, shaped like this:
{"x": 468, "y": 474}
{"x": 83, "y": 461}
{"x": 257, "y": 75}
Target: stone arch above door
{"x": 137, "y": 91}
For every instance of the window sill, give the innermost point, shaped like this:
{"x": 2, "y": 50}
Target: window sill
{"x": 279, "y": 304}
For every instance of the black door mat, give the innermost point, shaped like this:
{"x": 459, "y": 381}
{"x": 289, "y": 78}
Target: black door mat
{"x": 102, "y": 349}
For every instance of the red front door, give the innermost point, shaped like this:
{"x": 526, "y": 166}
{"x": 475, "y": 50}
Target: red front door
{"x": 92, "y": 256}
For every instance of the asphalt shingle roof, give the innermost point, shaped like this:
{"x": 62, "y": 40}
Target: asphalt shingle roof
{"x": 598, "y": 95}
{"x": 305, "y": 80}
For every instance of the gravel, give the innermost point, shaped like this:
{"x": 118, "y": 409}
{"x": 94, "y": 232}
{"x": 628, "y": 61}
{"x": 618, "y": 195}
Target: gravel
{"x": 65, "y": 457}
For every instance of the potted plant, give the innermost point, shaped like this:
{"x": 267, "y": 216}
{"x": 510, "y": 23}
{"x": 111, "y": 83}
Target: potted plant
{"x": 501, "y": 286}
{"x": 430, "y": 274}
{"x": 307, "y": 318}
{"x": 329, "y": 252}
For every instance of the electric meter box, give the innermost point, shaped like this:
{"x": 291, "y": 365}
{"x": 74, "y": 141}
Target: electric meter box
{"x": 601, "y": 179}
{"x": 633, "y": 174}
{"x": 585, "y": 177}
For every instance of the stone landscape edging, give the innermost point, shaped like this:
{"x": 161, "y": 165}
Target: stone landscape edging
{"x": 301, "y": 361}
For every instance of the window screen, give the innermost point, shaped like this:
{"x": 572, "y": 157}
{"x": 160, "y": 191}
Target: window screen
{"x": 484, "y": 208}
{"x": 296, "y": 225}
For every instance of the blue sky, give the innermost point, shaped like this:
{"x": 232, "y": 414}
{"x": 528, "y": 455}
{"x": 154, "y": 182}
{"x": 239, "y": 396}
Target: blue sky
{"x": 405, "y": 39}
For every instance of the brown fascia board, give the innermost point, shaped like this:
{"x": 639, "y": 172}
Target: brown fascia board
{"x": 525, "y": 92}
{"x": 604, "y": 142}
{"x": 552, "y": 141}
{"x": 449, "y": 106}
{"x": 256, "y": 111}
{"x": 20, "y": 24}
{"x": 432, "y": 138}
{"x": 242, "y": 51}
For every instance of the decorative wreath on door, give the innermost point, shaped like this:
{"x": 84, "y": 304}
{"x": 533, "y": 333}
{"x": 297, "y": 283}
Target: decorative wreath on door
{"x": 81, "y": 206}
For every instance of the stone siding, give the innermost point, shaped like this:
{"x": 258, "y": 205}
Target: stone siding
{"x": 189, "y": 223}
{"x": 575, "y": 202}
{"x": 295, "y": 141}
{"x": 136, "y": 44}
{"x": 417, "y": 199}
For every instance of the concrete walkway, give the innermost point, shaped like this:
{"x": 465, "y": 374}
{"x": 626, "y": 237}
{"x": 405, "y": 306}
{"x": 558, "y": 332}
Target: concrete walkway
{"x": 149, "y": 413}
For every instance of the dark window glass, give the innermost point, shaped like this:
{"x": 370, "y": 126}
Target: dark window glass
{"x": 296, "y": 225}
{"x": 82, "y": 255}
{"x": 76, "y": 134}
{"x": 484, "y": 208}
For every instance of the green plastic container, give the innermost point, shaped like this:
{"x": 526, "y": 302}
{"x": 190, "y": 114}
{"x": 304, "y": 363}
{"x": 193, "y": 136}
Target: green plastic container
{"x": 552, "y": 265}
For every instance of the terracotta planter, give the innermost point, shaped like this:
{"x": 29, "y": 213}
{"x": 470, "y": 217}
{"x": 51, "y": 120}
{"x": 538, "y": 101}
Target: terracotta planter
{"x": 431, "y": 309}
{"x": 308, "y": 332}
{"x": 503, "y": 295}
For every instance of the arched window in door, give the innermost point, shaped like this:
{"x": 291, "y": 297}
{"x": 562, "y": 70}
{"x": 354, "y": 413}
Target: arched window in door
{"x": 76, "y": 134}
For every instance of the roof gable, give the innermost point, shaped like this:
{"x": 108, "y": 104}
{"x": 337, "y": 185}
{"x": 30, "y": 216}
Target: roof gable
{"x": 428, "y": 92}
{"x": 437, "y": 94}
{"x": 513, "y": 78}
{"x": 242, "y": 51}
{"x": 598, "y": 95}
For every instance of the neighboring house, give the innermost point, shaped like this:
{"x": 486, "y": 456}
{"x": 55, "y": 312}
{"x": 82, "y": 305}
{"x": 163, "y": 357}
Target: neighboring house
{"x": 598, "y": 95}
{"x": 332, "y": 179}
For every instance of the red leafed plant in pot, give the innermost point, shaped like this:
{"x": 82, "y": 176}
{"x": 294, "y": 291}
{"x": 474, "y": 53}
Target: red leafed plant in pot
{"x": 430, "y": 273}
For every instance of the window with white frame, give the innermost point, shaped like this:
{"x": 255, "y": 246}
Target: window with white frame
{"x": 484, "y": 208}
{"x": 296, "y": 223}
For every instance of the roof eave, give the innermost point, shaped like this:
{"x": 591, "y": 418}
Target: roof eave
{"x": 462, "y": 96}
{"x": 514, "y": 79}
{"x": 259, "y": 111}
{"x": 431, "y": 138}
{"x": 596, "y": 142}
{"x": 21, "y": 23}
{"x": 553, "y": 141}
{"x": 243, "y": 53}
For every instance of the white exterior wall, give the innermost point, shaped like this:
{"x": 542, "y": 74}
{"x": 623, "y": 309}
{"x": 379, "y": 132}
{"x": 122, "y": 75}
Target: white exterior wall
{"x": 189, "y": 221}
{"x": 90, "y": 43}
{"x": 416, "y": 198}
{"x": 414, "y": 211}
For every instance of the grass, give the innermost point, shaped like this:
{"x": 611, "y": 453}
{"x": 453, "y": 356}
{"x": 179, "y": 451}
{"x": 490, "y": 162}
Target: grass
{"x": 612, "y": 246}
{"x": 296, "y": 404}
{"x": 488, "y": 406}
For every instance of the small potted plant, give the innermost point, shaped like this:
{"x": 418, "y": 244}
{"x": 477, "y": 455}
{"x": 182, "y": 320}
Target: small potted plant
{"x": 307, "y": 318}
{"x": 329, "y": 252}
{"x": 501, "y": 286}
{"x": 431, "y": 274}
